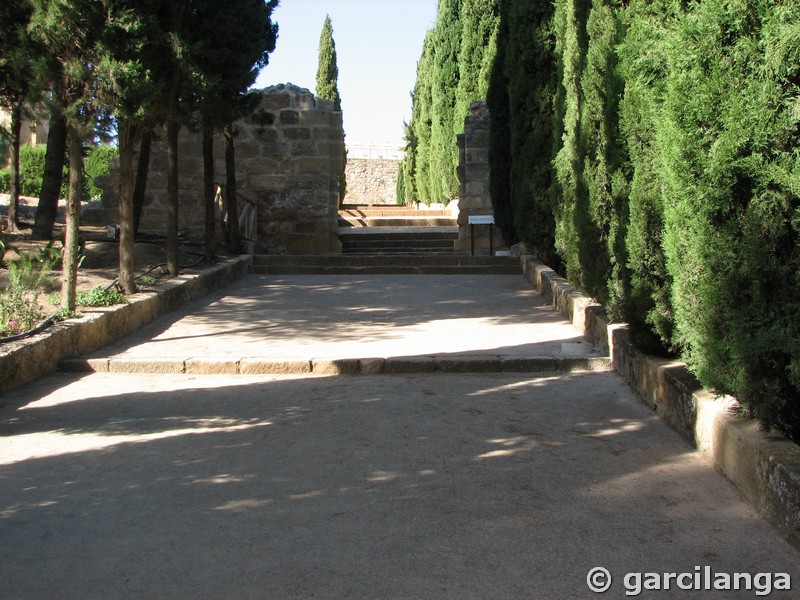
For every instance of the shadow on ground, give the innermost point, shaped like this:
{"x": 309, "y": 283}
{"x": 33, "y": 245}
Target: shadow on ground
{"x": 440, "y": 486}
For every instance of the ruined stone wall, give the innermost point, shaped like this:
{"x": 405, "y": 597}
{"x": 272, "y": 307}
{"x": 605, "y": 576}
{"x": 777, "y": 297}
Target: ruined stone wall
{"x": 371, "y": 180}
{"x": 473, "y": 175}
{"x": 289, "y": 153}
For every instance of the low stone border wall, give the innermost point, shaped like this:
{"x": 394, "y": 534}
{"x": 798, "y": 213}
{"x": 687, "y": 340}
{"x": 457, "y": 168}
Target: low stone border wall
{"x": 765, "y": 467}
{"x": 26, "y": 360}
{"x": 451, "y": 363}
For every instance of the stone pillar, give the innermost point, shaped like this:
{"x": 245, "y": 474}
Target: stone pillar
{"x": 473, "y": 175}
{"x": 289, "y": 153}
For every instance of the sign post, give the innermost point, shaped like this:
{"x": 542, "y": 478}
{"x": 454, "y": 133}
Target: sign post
{"x": 473, "y": 220}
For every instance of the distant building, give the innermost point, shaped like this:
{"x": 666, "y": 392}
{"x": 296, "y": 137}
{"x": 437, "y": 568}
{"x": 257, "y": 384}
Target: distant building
{"x": 33, "y": 131}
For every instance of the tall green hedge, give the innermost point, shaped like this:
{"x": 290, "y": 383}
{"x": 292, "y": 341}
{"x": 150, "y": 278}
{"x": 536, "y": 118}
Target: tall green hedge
{"x": 521, "y": 101}
{"x": 731, "y": 167}
{"x": 650, "y": 150}
{"x": 453, "y": 71}
{"x": 644, "y": 65}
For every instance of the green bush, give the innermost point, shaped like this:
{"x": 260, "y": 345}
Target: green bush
{"x": 99, "y": 296}
{"x": 31, "y": 169}
{"x": 644, "y": 65}
{"x": 20, "y": 308}
{"x": 98, "y": 163}
{"x": 31, "y": 172}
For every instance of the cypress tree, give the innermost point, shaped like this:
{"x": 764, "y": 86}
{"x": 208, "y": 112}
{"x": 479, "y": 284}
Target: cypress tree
{"x": 572, "y": 221}
{"x": 328, "y": 84}
{"x": 480, "y": 20}
{"x": 419, "y": 130}
{"x": 604, "y": 171}
{"x": 500, "y": 157}
{"x": 530, "y": 69}
{"x": 644, "y": 65}
{"x": 443, "y": 180}
{"x": 20, "y": 59}
{"x": 327, "y": 69}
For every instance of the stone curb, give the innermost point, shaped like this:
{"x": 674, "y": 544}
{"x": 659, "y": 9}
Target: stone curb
{"x": 339, "y": 366}
{"x": 765, "y": 468}
{"x": 26, "y": 360}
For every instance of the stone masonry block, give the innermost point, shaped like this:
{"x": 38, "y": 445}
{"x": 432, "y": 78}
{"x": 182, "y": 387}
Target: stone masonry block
{"x": 297, "y": 133}
{"x": 308, "y": 244}
{"x": 289, "y": 117}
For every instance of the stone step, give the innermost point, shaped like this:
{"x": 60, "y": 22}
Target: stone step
{"x": 398, "y": 240}
{"x": 391, "y": 211}
{"x": 399, "y": 233}
{"x": 435, "y": 244}
{"x": 390, "y": 264}
{"x": 397, "y": 249}
{"x": 398, "y": 221}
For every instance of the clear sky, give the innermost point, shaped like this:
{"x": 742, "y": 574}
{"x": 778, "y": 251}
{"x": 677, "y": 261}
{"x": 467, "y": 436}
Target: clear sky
{"x": 378, "y": 44}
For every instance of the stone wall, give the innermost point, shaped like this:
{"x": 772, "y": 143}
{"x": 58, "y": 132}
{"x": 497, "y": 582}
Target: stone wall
{"x": 371, "y": 181}
{"x": 289, "y": 152}
{"x": 473, "y": 176}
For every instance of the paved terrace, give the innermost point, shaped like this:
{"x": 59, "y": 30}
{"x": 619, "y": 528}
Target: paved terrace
{"x": 412, "y": 484}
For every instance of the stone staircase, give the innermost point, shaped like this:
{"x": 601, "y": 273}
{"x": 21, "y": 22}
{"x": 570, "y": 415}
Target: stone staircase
{"x": 384, "y": 264}
{"x": 388, "y": 239}
{"x": 389, "y": 215}
{"x": 398, "y": 240}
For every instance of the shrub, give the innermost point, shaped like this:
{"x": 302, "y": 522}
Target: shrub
{"x": 31, "y": 172}
{"x": 31, "y": 169}
{"x": 99, "y": 296}
{"x": 20, "y": 309}
{"x": 98, "y": 163}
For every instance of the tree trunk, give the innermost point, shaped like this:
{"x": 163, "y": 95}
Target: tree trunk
{"x": 14, "y": 184}
{"x": 53, "y": 174}
{"x": 208, "y": 192}
{"x": 142, "y": 170}
{"x": 172, "y": 197}
{"x": 127, "y": 237}
{"x": 234, "y": 241}
{"x": 71, "y": 255}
